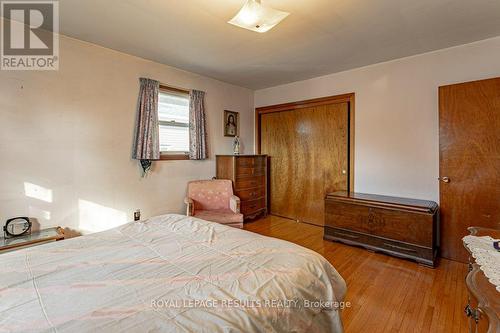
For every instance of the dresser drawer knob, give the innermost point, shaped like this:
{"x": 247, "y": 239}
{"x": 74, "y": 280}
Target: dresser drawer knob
{"x": 472, "y": 313}
{"x": 468, "y": 311}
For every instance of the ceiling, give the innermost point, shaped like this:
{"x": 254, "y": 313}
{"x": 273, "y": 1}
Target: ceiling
{"x": 318, "y": 38}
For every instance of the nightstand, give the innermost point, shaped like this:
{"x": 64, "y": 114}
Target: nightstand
{"x": 35, "y": 238}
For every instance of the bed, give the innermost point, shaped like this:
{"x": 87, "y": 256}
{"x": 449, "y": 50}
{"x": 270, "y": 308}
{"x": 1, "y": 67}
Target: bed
{"x": 170, "y": 273}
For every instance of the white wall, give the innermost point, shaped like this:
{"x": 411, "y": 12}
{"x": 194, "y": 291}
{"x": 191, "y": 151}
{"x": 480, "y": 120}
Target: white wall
{"x": 396, "y": 125}
{"x": 66, "y": 138}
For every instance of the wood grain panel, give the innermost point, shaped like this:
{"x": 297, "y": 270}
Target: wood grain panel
{"x": 250, "y": 182}
{"x": 387, "y": 223}
{"x": 252, "y": 193}
{"x": 251, "y": 206}
{"x": 250, "y": 171}
{"x": 247, "y": 162}
{"x": 308, "y": 152}
{"x": 278, "y": 140}
{"x": 225, "y": 167}
{"x": 469, "y": 144}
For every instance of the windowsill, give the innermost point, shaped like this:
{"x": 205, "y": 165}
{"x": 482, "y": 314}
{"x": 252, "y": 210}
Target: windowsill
{"x": 173, "y": 157}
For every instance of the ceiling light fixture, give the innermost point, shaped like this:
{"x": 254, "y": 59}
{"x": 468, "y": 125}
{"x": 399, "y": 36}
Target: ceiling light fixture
{"x": 257, "y": 17}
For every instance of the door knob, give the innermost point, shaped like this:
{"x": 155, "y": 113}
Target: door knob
{"x": 444, "y": 179}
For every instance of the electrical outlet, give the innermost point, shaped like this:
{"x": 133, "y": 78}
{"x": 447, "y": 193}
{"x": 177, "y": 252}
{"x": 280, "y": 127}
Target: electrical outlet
{"x": 137, "y": 215}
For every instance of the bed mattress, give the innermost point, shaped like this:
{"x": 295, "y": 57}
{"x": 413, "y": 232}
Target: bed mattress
{"x": 170, "y": 273}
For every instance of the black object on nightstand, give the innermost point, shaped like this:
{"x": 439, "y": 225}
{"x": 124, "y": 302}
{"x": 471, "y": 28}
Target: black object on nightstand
{"x": 17, "y": 226}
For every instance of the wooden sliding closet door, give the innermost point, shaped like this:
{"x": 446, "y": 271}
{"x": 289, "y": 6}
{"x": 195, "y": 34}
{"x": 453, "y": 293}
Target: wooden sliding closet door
{"x": 308, "y": 157}
{"x": 469, "y": 161}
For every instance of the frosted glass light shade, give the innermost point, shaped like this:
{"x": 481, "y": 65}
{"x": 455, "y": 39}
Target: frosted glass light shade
{"x": 257, "y": 17}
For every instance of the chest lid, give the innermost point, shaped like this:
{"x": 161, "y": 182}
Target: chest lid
{"x": 383, "y": 201}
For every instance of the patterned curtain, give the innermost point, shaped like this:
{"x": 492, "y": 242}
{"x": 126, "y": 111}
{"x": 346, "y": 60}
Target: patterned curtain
{"x": 147, "y": 140}
{"x": 197, "y": 126}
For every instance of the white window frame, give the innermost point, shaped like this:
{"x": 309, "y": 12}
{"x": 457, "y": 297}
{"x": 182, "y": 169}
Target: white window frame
{"x": 173, "y": 155}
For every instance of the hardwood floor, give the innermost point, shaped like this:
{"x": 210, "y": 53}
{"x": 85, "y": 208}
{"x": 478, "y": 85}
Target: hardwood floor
{"x": 387, "y": 294}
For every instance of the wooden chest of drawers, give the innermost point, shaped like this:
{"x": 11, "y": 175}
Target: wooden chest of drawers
{"x": 402, "y": 227}
{"x": 249, "y": 176}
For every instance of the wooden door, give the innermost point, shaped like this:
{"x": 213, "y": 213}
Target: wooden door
{"x": 308, "y": 157}
{"x": 469, "y": 161}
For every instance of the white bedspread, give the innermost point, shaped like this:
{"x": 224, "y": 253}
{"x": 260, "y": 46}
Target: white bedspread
{"x": 169, "y": 274}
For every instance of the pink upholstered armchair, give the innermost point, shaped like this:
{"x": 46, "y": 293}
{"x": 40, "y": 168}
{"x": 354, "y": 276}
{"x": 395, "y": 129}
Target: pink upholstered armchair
{"x": 213, "y": 200}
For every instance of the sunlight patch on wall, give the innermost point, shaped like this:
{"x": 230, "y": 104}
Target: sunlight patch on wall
{"x": 94, "y": 217}
{"x": 39, "y": 213}
{"x": 37, "y": 192}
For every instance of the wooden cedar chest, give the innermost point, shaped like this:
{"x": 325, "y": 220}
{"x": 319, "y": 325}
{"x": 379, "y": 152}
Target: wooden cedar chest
{"x": 406, "y": 228}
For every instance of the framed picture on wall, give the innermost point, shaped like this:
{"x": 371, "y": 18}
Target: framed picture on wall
{"x": 231, "y": 123}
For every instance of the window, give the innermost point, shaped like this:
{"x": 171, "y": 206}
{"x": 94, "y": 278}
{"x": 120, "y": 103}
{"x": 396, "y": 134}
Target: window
{"x": 173, "y": 116}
